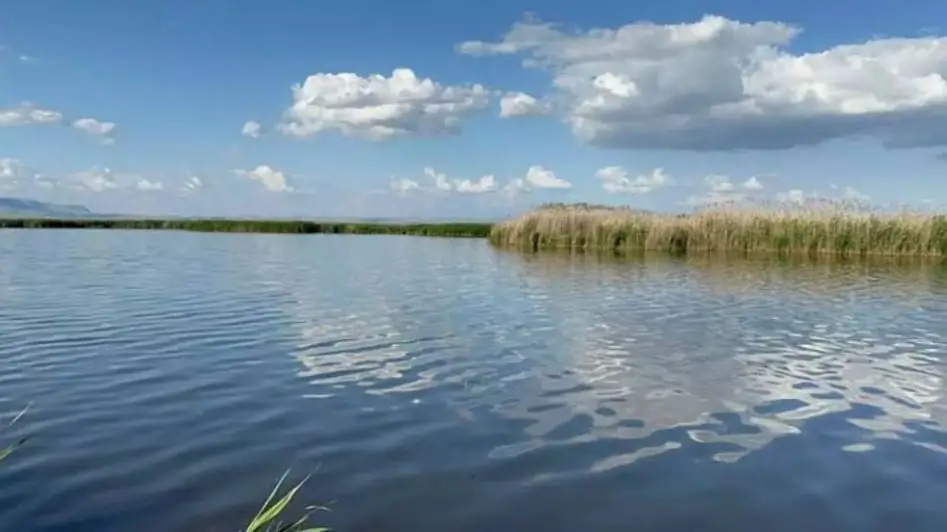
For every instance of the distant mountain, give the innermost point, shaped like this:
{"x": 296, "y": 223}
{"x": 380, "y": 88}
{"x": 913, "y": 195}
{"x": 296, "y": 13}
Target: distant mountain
{"x": 27, "y": 207}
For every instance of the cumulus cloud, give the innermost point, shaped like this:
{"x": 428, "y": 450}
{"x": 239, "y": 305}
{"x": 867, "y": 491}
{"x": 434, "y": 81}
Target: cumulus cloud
{"x": 851, "y": 193}
{"x": 521, "y": 104}
{"x": 536, "y": 177}
{"x": 404, "y": 185}
{"x": 795, "y": 195}
{"x": 27, "y": 114}
{"x": 440, "y": 180}
{"x": 722, "y": 189}
{"x": 94, "y": 127}
{"x": 13, "y": 173}
{"x": 145, "y": 185}
{"x": 96, "y": 179}
{"x": 752, "y": 184}
{"x": 251, "y": 129}
{"x": 615, "y": 180}
{"x": 10, "y": 169}
{"x": 377, "y": 107}
{"x": 192, "y": 184}
{"x": 271, "y": 179}
{"x": 721, "y": 84}
{"x": 441, "y": 183}
{"x": 486, "y": 183}
{"x": 539, "y": 177}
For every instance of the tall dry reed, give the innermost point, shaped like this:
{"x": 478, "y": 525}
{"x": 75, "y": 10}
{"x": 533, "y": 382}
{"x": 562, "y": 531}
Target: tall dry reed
{"x": 835, "y": 228}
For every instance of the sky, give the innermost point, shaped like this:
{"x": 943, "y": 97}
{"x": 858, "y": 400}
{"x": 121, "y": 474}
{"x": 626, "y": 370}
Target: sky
{"x": 469, "y": 109}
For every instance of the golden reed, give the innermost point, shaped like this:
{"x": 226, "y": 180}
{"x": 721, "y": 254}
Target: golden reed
{"x": 815, "y": 227}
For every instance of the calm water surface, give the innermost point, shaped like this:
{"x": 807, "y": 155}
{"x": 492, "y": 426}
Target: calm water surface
{"x": 435, "y": 385}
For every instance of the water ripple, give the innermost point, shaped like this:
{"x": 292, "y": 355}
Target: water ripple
{"x": 437, "y": 384}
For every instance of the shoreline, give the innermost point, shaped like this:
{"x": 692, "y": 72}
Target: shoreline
{"x": 223, "y": 225}
{"x": 583, "y": 228}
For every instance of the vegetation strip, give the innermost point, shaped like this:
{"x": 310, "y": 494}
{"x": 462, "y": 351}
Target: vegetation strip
{"x": 832, "y": 229}
{"x": 813, "y": 230}
{"x": 452, "y": 229}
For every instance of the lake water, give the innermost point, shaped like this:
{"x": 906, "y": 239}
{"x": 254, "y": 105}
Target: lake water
{"x": 437, "y": 384}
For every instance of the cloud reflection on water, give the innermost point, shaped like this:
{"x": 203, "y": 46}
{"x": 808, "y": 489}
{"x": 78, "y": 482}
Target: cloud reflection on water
{"x": 582, "y": 349}
{"x": 663, "y": 344}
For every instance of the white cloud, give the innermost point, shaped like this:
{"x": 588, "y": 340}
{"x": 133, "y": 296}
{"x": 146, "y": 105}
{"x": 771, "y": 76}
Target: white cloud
{"x": 720, "y": 84}
{"x": 192, "y": 184}
{"x": 521, "y": 104}
{"x": 441, "y": 183}
{"x": 486, "y": 183}
{"x": 96, "y": 179}
{"x": 13, "y": 173}
{"x": 793, "y": 196}
{"x": 616, "y": 181}
{"x": 440, "y": 180}
{"x": 404, "y": 185}
{"x": 752, "y": 184}
{"x": 27, "y": 114}
{"x": 721, "y": 189}
{"x": 539, "y": 177}
{"x": 516, "y": 186}
{"x": 251, "y": 129}
{"x": 271, "y": 179}
{"x": 377, "y": 107}
{"x": 145, "y": 185}
{"x": 850, "y": 193}
{"x": 11, "y": 169}
{"x": 801, "y": 197}
{"x": 94, "y": 127}
{"x": 536, "y": 177}
{"x": 719, "y": 183}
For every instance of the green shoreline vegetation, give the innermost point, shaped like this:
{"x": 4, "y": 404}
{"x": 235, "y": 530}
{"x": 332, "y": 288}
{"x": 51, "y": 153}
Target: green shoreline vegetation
{"x": 823, "y": 228}
{"x": 445, "y": 229}
{"x": 815, "y": 228}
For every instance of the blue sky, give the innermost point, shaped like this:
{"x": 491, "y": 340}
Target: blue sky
{"x": 142, "y": 107}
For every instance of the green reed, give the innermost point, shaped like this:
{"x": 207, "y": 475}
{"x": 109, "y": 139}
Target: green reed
{"x": 271, "y": 510}
{"x": 8, "y": 450}
{"x": 446, "y": 229}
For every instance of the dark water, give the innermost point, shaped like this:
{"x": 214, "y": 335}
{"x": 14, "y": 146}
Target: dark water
{"x": 435, "y": 385}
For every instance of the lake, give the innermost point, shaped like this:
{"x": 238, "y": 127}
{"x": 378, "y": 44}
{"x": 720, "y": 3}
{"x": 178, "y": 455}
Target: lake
{"x": 439, "y": 384}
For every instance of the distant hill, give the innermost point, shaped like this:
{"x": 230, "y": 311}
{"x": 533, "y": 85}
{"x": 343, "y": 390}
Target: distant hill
{"x": 27, "y": 207}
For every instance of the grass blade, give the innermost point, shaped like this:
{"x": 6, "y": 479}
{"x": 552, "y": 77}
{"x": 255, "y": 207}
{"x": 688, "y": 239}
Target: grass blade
{"x": 9, "y": 450}
{"x": 269, "y": 512}
{"x": 266, "y": 503}
{"x": 18, "y": 416}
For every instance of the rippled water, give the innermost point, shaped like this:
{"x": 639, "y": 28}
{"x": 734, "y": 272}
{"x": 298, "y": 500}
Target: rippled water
{"x": 435, "y": 384}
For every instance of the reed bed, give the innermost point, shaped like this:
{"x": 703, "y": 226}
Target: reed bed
{"x": 813, "y": 228}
